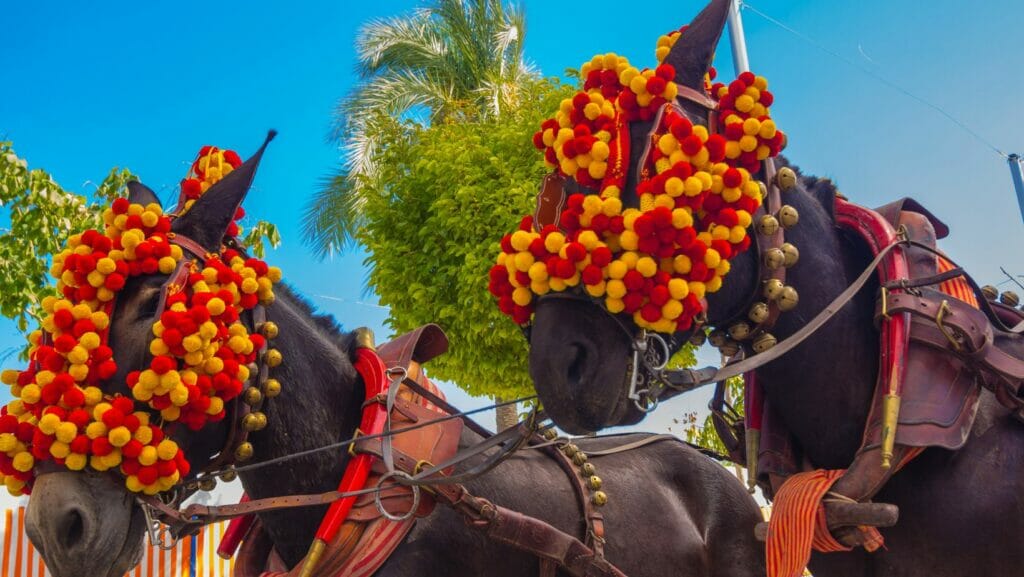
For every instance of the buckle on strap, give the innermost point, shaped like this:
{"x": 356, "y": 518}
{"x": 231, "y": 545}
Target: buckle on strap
{"x": 940, "y": 317}
{"x": 355, "y": 439}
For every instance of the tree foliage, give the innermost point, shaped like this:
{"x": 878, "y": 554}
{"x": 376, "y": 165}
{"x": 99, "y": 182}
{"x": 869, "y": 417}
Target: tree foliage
{"x": 452, "y": 61}
{"x": 40, "y": 215}
{"x": 447, "y": 193}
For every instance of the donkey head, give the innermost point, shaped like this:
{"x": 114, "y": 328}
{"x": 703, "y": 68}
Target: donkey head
{"x": 86, "y": 522}
{"x": 579, "y": 353}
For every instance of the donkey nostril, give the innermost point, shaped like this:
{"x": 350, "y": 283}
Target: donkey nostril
{"x": 579, "y": 361}
{"x": 72, "y": 529}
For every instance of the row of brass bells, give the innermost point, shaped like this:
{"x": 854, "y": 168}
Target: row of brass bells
{"x": 254, "y": 396}
{"x": 1009, "y": 298}
{"x": 785, "y": 256}
{"x": 785, "y": 178}
{"x": 587, "y": 469}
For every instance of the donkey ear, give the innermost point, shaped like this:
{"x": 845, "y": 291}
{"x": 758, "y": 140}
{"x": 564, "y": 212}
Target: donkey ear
{"x": 208, "y": 219}
{"x": 139, "y": 193}
{"x": 693, "y": 52}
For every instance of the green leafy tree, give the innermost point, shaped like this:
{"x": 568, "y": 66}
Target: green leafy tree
{"x": 453, "y": 61}
{"x": 447, "y": 194}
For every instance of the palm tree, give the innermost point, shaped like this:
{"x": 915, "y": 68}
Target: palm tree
{"x": 456, "y": 60}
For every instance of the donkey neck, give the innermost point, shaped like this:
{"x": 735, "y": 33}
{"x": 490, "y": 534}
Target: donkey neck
{"x": 319, "y": 405}
{"x": 821, "y": 390}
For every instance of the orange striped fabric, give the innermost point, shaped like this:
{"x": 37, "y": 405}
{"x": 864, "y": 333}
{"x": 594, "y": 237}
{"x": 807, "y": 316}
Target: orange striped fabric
{"x": 798, "y": 523}
{"x": 956, "y": 287}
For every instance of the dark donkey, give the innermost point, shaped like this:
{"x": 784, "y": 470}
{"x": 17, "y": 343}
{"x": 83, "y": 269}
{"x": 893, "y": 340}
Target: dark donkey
{"x": 960, "y": 513}
{"x": 672, "y": 511}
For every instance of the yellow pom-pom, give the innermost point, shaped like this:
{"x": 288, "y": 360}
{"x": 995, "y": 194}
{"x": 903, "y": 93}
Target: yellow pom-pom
{"x": 748, "y": 143}
{"x": 119, "y": 436}
{"x": 78, "y": 355}
{"x": 697, "y": 289}
{"x": 24, "y": 462}
{"x": 9, "y": 377}
{"x": 768, "y": 129}
{"x": 736, "y": 234}
{"x": 179, "y": 395}
{"x": 167, "y": 450}
{"x": 554, "y": 242}
{"x": 144, "y": 435}
{"x": 95, "y": 430}
{"x": 149, "y": 379}
{"x": 629, "y": 240}
{"x": 60, "y": 449}
{"x": 538, "y": 272}
{"x": 167, "y": 265}
{"x": 213, "y": 365}
{"x": 678, "y": 289}
{"x": 732, "y": 149}
{"x": 148, "y": 456}
{"x": 744, "y": 103}
{"x": 674, "y": 186}
{"x": 646, "y": 266}
{"x": 540, "y": 287}
{"x": 612, "y": 204}
{"x": 615, "y": 289}
{"x": 714, "y": 284}
{"x": 89, "y": 341}
{"x": 66, "y": 432}
{"x": 48, "y": 424}
{"x": 216, "y": 406}
{"x": 79, "y": 372}
{"x": 712, "y": 258}
{"x": 133, "y": 484}
{"x": 523, "y": 261}
{"x": 723, "y": 268}
{"x": 158, "y": 347}
{"x": 141, "y": 393}
{"x": 596, "y": 290}
{"x": 44, "y": 378}
{"x": 31, "y": 393}
{"x": 8, "y": 442}
{"x": 171, "y": 413}
{"x": 75, "y": 461}
{"x": 106, "y": 265}
{"x": 216, "y": 306}
{"x": 693, "y": 186}
{"x": 672, "y": 309}
{"x": 614, "y": 305}
{"x": 751, "y": 126}
{"x": 681, "y": 264}
{"x": 522, "y": 296}
{"x": 617, "y": 269}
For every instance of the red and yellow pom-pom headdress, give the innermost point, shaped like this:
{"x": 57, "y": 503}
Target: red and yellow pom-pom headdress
{"x": 696, "y": 195}
{"x": 201, "y": 352}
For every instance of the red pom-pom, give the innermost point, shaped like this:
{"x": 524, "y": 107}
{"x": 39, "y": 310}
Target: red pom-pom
{"x": 655, "y": 85}
{"x": 120, "y": 206}
{"x": 633, "y": 280}
{"x": 601, "y": 256}
{"x": 651, "y": 313}
{"x": 592, "y": 275}
{"x": 101, "y": 446}
{"x": 732, "y": 178}
{"x": 716, "y": 148}
{"x": 80, "y": 444}
{"x": 747, "y": 78}
{"x": 74, "y": 397}
{"x": 691, "y": 144}
{"x": 63, "y": 319}
{"x": 114, "y": 282}
{"x": 575, "y": 252}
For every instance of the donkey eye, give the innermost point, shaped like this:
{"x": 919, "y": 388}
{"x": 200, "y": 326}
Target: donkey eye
{"x": 148, "y": 307}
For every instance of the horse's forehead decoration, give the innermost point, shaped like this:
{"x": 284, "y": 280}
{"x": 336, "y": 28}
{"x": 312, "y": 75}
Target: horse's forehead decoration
{"x": 200, "y": 351}
{"x": 696, "y": 191}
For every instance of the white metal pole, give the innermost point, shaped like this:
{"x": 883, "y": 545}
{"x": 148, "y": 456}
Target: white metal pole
{"x": 1018, "y": 181}
{"x": 738, "y": 41}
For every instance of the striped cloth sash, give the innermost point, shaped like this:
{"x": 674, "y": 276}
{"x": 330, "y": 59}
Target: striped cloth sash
{"x": 798, "y": 523}
{"x": 955, "y": 287}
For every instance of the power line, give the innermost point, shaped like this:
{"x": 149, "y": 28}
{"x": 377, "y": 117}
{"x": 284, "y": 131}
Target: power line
{"x": 877, "y": 77}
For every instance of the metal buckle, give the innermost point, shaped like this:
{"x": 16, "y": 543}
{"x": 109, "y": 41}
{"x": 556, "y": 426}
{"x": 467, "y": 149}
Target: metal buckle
{"x": 352, "y": 444}
{"x": 885, "y": 303}
{"x": 159, "y": 535}
{"x": 940, "y": 318}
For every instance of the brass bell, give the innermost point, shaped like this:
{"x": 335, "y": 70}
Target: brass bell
{"x": 208, "y": 484}
{"x": 253, "y": 396}
{"x": 272, "y": 388}
{"x": 1009, "y": 298}
{"x": 570, "y": 450}
{"x": 244, "y": 451}
{"x": 254, "y": 370}
{"x": 594, "y": 482}
{"x": 550, "y": 434}
{"x": 758, "y": 313}
{"x": 764, "y": 189}
{"x": 791, "y": 254}
{"x": 788, "y": 216}
{"x": 730, "y": 349}
{"x": 273, "y": 358}
{"x": 767, "y": 225}
{"x": 254, "y": 421}
{"x": 267, "y": 300}
{"x": 269, "y": 329}
{"x": 588, "y": 469}
{"x": 599, "y": 498}
{"x": 698, "y": 338}
{"x": 763, "y": 342}
{"x": 774, "y": 258}
{"x": 772, "y": 288}
{"x": 579, "y": 458}
{"x": 788, "y": 299}
{"x": 717, "y": 338}
{"x": 229, "y": 475}
{"x": 739, "y": 331}
{"x": 786, "y": 178}
{"x": 990, "y": 292}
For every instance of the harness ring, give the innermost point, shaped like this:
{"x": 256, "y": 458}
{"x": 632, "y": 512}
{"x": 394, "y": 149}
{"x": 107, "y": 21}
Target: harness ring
{"x": 379, "y": 503}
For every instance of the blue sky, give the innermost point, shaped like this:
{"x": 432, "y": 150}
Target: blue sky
{"x": 89, "y": 86}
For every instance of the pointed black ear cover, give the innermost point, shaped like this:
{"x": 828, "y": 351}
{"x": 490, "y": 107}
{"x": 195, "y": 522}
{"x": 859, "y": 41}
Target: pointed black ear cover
{"x": 139, "y": 193}
{"x": 693, "y": 52}
{"x": 208, "y": 219}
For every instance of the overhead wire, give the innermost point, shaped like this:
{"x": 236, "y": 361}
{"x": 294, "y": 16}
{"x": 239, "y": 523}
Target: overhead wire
{"x": 949, "y": 116}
